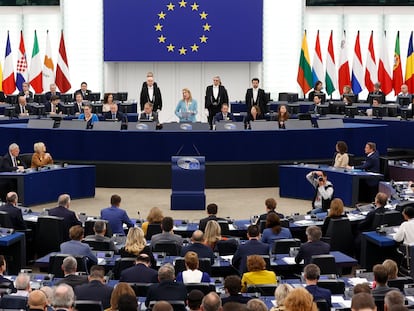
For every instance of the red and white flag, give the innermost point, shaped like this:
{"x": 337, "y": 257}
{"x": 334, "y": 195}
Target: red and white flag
{"x": 343, "y": 73}
{"x": 62, "y": 69}
{"x": 371, "y": 66}
{"x": 384, "y": 70}
{"x": 21, "y": 69}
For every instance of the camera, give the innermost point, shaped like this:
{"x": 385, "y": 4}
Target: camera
{"x": 320, "y": 178}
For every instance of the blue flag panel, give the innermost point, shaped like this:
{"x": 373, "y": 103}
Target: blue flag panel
{"x": 173, "y": 30}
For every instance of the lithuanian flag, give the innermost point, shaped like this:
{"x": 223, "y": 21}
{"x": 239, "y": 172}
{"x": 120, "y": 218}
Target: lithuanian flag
{"x": 304, "y": 73}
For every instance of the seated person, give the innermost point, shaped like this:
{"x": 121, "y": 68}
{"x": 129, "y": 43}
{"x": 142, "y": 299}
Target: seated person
{"x": 282, "y": 116}
{"x": 53, "y": 105}
{"x": 363, "y": 302}
{"x": 257, "y": 274}
{"x": 380, "y": 202}
{"x": 148, "y": 113}
{"x": 22, "y": 109}
{"x": 155, "y": 216}
{"x": 274, "y": 230}
{"x": 89, "y": 117}
{"x": 114, "y": 114}
{"x": 52, "y": 92}
{"x": 317, "y": 101}
{"x": 26, "y": 93}
{"x": 197, "y": 246}
{"x": 232, "y": 287}
{"x": 14, "y": 212}
{"x": 375, "y": 103}
{"x": 254, "y": 114}
{"x": 377, "y": 91}
{"x": 341, "y": 156}
{"x": 299, "y": 299}
{"x": 270, "y": 205}
{"x": 405, "y": 232}
{"x": 381, "y": 279}
{"x": 5, "y": 282}
{"x": 314, "y": 245}
{"x": 99, "y": 227}
{"x": 212, "y": 234}
{"x": 40, "y": 157}
{"x": 116, "y": 216}
{"x": 336, "y": 211}
{"x": 404, "y": 92}
{"x": 212, "y": 210}
{"x": 317, "y": 90}
{"x": 224, "y": 114}
{"x": 69, "y": 267}
{"x": 392, "y": 268}
{"x": 192, "y": 274}
{"x": 12, "y": 161}
{"x": 281, "y": 293}
{"x": 136, "y": 245}
{"x": 107, "y": 102}
{"x": 311, "y": 273}
{"x": 167, "y": 234}
{"x": 140, "y": 272}
{"x": 75, "y": 246}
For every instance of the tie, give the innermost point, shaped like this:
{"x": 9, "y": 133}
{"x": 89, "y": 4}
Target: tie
{"x": 22, "y": 109}
{"x": 148, "y": 116}
{"x": 14, "y": 161}
{"x": 113, "y": 116}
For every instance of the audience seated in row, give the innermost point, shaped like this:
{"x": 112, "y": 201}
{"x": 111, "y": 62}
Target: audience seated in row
{"x": 314, "y": 246}
{"x": 257, "y": 273}
{"x": 212, "y": 210}
{"x": 75, "y": 246}
{"x": 136, "y": 245}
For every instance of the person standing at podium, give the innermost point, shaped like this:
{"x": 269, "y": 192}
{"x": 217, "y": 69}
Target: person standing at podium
{"x": 186, "y": 109}
{"x": 216, "y": 96}
{"x": 255, "y": 96}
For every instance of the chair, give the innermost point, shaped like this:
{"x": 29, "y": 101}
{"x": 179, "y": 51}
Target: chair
{"x": 5, "y": 221}
{"x": 389, "y": 218}
{"x": 140, "y": 289}
{"x": 88, "y": 305}
{"x": 152, "y": 230}
{"x": 13, "y": 302}
{"x": 340, "y": 234}
{"x": 26, "y": 158}
{"x": 49, "y": 234}
{"x": 326, "y": 263}
{"x": 122, "y": 264}
{"x": 227, "y": 247}
{"x": 204, "y": 287}
{"x": 170, "y": 248}
{"x": 224, "y": 226}
{"x": 337, "y": 287}
{"x": 204, "y": 265}
{"x": 283, "y": 246}
{"x": 98, "y": 245}
{"x": 400, "y": 282}
{"x": 379, "y": 302}
{"x": 88, "y": 227}
{"x": 322, "y": 305}
{"x": 262, "y": 289}
{"x": 176, "y": 304}
{"x": 56, "y": 261}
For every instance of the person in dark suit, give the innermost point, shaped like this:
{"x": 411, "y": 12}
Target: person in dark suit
{"x": 52, "y": 92}
{"x": 314, "y": 245}
{"x": 167, "y": 289}
{"x": 78, "y": 103}
{"x": 52, "y": 105}
{"x": 252, "y": 247}
{"x": 83, "y": 91}
{"x": 270, "y": 204}
{"x": 69, "y": 267}
{"x": 22, "y": 109}
{"x": 197, "y": 246}
{"x": 377, "y": 92}
{"x": 99, "y": 228}
{"x": 224, "y": 114}
{"x": 380, "y": 202}
{"x": 232, "y": 286}
{"x": 37, "y": 301}
{"x": 12, "y": 161}
{"x": 114, "y": 114}
{"x": 2, "y": 97}
{"x": 317, "y": 90}
{"x": 255, "y": 96}
{"x": 69, "y": 217}
{"x": 5, "y": 282}
{"x": 212, "y": 215}
{"x": 148, "y": 113}
{"x": 140, "y": 272}
{"x": 15, "y": 213}
{"x": 311, "y": 275}
{"x": 216, "y": 96}
{"x": 26, "y": 93}
{"x": 254, "y": 114}
{"x": 381, "y": 279}
{"x": 151, "y": 93}
{"x": 96, "y": 289}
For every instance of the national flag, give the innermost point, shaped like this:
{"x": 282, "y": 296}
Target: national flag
{"x": 317, "y": 65}
{"x": 62, "y": 68}
{"x": 409, "y": 67}
{"x": 35, "y": 72}
{"x": 48, "y": 66}
{"x": 331, "y": 80}
{"x": 21, "y": 69}
{"x": 384, "y": 71}
{"x": 304, "y": 72}
{"x": 9, "y": 82}
{"x": 371, "y": 66}
{"x": 343, "y": 74}
{"x": 1, "y": 78}
{"x": 357, "y": 68}
{"x": 397, "y": 78}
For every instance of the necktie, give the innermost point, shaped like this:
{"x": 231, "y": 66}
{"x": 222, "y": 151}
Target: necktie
{"x": 148, "y": 116}
{"x": 14, "y": 161}
{"x": 22, "y": 109}
{"x": 113, "y": 116}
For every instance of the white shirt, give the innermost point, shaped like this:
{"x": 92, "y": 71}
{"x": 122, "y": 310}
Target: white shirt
{"x": 255, "y": 92}
{"x": 215, "y": 91}
{"x": 192, "y": 276}
{"x": 150, "y": 92}
{"x": 405, "y": 232}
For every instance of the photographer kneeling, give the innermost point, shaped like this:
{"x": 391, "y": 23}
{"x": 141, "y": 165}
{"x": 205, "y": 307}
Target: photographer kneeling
{"x": 323, "y": 191}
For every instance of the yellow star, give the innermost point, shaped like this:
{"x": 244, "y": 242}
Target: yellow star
{"x": 194, "y": 48}
{"x": 170, "y": 48}
{"x": 158, "y": 27}
{"x": 170, "y": 6}
{"x": 203, "y": 39}
{"x": 206, "y": 27}
{"x": 194, "y": 7}
{"x": 161, "y": 15}
{"x": 183, "y": 51}
{"x": 203, "y": 15}
{"x": 161, "y": 39}
{"x": 182, "y": 4}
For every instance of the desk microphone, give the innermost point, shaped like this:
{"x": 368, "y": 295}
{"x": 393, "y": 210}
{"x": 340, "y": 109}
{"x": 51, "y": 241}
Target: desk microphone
{"x": 139, "y": 218}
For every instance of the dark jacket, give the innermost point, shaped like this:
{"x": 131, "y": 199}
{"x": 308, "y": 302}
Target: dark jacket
{"x": 200, "y": 249}
{"x": 15, "y": 215}
{"x": 94, "y": 290}
{"x": 308, "y": 249}
{"x": 69, "y": 219}
{"x": 251, "y": 247}
{"x": 320, "y": 293}
{"x": 139, "y": 273}
{"x": 203, "y": 222}
{"x": 167, "y": 290}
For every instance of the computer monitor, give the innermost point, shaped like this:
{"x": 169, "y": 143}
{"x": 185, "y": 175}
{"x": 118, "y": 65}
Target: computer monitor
{"x": 10, "y": 112}
{"x": 351, "y": 111}
{"x": 289, "y": 97}
{"x": 293, "y": 108}
{"x": 267, "y": 97}
{"x": 125, "y": 107}
{"x": 38, "y": 109}
{"x": 12, "y": 99}
{"x": 66, "y": 98}
{"x": 337, "y": 107}
{"x": 39, "y": 98}
{"x": 403, "y": 100}
{"x": 97, "y": 108}
{"x": 322, "y": 96}
{"x": 94, "y": 97}
{"x": 392, "y": 110}
{"x": 377, "y": 96}
{"x": 406, "y": 113}
{"x": 379, "y": 111}
{"x": 322, "y": 109}
{"x": 67, "y": 108}
{"x": 352, "y": 97}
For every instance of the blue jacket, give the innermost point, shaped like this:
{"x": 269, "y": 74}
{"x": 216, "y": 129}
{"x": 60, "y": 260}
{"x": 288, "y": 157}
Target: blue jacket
{"x": 320, "y": 293}
{"x": 184, "y": 114}
{"x": 371, "y": 164}
{"x": 116, "y": 218}
{"x": 73, "y": 247}
{"x": 269, "y": 237}
{"x": 251, "y": 247}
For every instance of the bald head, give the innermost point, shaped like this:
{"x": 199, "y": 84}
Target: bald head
{"x": 197, "y": 236}
{"x": 37, "y": 300}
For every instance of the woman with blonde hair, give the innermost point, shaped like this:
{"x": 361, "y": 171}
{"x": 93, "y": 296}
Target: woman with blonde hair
{"x": 336, "y": 211}
{"x": 281, "y": 293}
{"x": 257, "y": 274}
{"x": 392, "y": 268}
{"x": 187, "y": 108}
{"x": 40, "y": 156}
{"x": 155, "y": 216}
{"x": 136, "y": 244}
{"x": 299, "y": 299}
{"x": 120, "y": 290}
{"x": 192, "y": 274}
{"x": 212, "y": 234}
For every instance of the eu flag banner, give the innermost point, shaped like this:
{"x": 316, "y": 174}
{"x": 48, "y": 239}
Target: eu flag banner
{"x": 179, "y": 30}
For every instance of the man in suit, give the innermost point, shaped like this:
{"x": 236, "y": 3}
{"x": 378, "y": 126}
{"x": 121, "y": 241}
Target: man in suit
{"x": 75, "y": 246}
{"x": 37, "y": 301}
{"x": 197, "y": 246}
{"x": 69, "y": 217}
{"x": 78, "y": 103}
{"x": 363, "y": 302}
{"x": 377, "y": 92}
{"x": 114, "y": 114}
{"x": 270, "y": 205}
{"x": 22, "y": 283}
{"x": 5, "y": 282}
{"x": 252, "y": 247}
{"x": 22, "y": 109}
{"x": 83, "y": 91}
{"x": 63, "y": 298}
{"x": 380, "y": 202}
{"x": 216, "y": 96}
{"x": 15, "y": 213}
{"x": 116, "y": 216}
{"x": 311, "y": 274}
{"x": 381, "y": 279}
{"x": 140, "y": 272}
{"x": 148, "y": 113}
{"x": 256, "y": 96}
{"x": 69, "y": 267}
{"x": 224, "y": 114}
{"x": 314, "y": 245}
{"x": 96, "y": 289}
{"x": 150, "y": 93}
{"x": 12, "y": 161}
{"x": 372, "y": 161}
{"x": 52, "y": 92}
{"x": 167, "y": 234}
{"x": 99, "y": 228}
{"x": 167, "y": 289}
{"x": 26, "y": 93}
{"x": 232, "y": 287}
{"x": 212, "y": 215}
{"x": 52, "y": 105}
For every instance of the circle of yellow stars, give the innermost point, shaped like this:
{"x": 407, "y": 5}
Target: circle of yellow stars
{"x": 171, "y": 7}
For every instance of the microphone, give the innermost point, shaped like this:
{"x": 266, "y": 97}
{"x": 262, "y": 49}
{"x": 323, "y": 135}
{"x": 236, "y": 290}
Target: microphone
{"x": 139, "y": 218}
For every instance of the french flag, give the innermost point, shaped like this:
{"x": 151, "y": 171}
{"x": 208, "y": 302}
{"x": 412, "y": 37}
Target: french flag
{"x": 9, "y": 83}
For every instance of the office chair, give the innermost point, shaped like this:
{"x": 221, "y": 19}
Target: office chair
{"x": 262, "y": 289}
{"x": 204, "y": 265}
{"x": 337, "y": 287}
{"x": 379, "y": 302}
{"x": 176, "y": 304}
{"x": 227, "y": 247}
{"x": 341, "y": 237}
{"x": 122, "y": 264}
{"x": 389, "y": 218}
{"x": 88, "y": 305}
{"x": 322, "y": 305}
{"x": 283, "y": 246}
{"x": 5, "y": 221}
{"x": 140, "y": 289}
{"x": 170, "y": 248}
{"x": 204, "y": 287}
{"x": 399, "y": 282}
{"x": 326, "y": 263}
{"x": 98, "y": 245}
{"x": 49, "y": 234}
{"x": 224, "y": 226}
{"x": 56, "y": 261}
{"x": 152, "y": 230}
{"x": 13, "y": 302}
